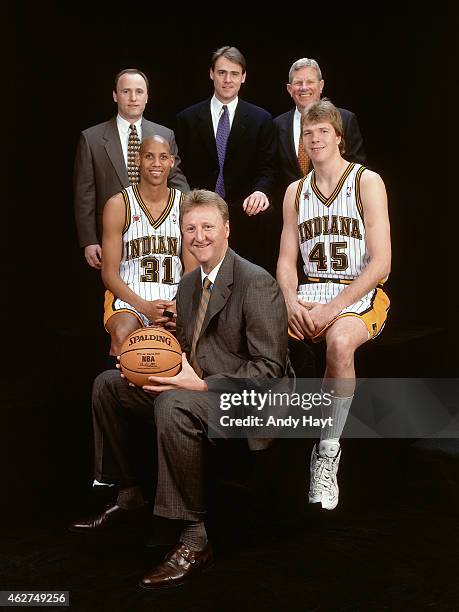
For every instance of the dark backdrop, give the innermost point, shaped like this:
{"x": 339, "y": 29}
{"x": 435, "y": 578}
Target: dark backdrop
{"x": 396, "y": 72}
{"x": 389, "y": 69}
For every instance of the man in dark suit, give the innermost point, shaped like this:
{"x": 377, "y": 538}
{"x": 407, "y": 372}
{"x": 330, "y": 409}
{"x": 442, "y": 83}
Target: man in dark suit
{"x": 305, "y": 87}
{"x": 228, "y": 146}
{"x": 232, "y": 325}
{"x": 102, "y": 158}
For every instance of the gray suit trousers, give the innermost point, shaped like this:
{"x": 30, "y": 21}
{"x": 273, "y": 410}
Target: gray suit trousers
{"x": 181, "y": 420}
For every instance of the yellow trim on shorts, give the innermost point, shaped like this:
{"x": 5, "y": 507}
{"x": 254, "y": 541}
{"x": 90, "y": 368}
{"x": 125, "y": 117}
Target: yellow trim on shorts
{"x": 109, "y": 310}
{"x": 374, "y": 318}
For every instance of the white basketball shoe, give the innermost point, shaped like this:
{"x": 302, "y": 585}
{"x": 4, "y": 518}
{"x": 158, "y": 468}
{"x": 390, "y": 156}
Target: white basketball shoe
{"x": 323, "y": 486}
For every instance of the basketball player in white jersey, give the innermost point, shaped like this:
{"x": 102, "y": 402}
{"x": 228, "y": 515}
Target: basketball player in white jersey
{"x": 337, "y": 217}
{"x": 143, "y": 255}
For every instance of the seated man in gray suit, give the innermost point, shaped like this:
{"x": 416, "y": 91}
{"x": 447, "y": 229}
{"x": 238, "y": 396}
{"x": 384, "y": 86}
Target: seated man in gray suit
{"x": 105, "y": 159}
{"x": 231, "y": 325}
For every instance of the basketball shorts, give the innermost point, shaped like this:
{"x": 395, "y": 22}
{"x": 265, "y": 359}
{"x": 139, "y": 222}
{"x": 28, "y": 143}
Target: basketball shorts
{"x": 372, "y": 308}
{"x": 113, "y": 306}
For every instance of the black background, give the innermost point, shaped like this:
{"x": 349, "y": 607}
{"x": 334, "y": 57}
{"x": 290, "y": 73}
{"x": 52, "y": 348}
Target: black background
{"x": 390, "y": 69}
{"x": 398, "y": 73}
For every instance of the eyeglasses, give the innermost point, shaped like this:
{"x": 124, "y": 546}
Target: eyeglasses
{"x": 307, "y": 83}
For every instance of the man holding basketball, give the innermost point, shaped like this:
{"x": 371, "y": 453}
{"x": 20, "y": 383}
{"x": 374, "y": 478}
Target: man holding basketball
{"x": 231, "y": 324}
{"x": 142, "y": 246}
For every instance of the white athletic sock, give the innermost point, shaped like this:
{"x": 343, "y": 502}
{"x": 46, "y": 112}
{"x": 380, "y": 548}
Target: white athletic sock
{"x": 338, "y": 411}
{"x": 328, "y": 448}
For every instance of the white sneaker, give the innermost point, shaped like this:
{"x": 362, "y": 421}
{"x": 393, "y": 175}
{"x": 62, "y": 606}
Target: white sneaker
{"x": 323, "y": 487}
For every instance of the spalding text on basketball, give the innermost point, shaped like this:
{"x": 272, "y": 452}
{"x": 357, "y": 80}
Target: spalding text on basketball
{"x": 146, "y": 337}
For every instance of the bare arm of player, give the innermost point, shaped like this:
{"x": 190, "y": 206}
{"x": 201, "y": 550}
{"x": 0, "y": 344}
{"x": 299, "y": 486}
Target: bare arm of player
{"x": 377, "y": 236}
{"x": 112, "y": 246}
{"x": 185, "y": 379}
{"x": 298, "y": 317}
{"x": 255, "y": 203}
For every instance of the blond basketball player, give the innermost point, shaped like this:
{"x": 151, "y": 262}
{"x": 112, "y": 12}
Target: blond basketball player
{"x": 337, "y": 218}
{"x": 143, "y": 256}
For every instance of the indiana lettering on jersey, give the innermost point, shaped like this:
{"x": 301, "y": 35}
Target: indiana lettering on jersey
{"x": 146, "y": 337}
{"x": 335, "y": 225}
{"x": 150, "y": 245}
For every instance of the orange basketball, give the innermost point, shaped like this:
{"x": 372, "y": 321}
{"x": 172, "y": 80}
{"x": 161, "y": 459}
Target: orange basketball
{"x": 150, "y": 351}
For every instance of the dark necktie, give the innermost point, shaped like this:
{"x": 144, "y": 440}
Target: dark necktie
{"x": 200, "y": 316}
{"x": 133, "y": 148}
{"x": 221, "y": 140}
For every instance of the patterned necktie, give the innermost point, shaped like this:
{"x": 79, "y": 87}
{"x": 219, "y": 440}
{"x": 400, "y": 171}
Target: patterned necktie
{"x": 303, "y": 158}
{"x": 133, "y": 148}
{"x": 200, "y": 316}
{"x": 221, "y": 140}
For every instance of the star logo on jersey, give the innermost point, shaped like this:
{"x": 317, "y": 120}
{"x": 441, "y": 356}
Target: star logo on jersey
{"x": 136, "y": 218}
{"x": 348, "y": 192}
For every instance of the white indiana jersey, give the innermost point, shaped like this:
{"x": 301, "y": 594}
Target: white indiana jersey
{"x": 151, "y": 264}
{"x": 331, "y": 230}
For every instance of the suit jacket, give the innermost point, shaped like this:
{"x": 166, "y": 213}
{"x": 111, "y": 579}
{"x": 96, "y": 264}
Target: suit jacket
{"x": 250, "y": 165}
{"x": 244, "y": 333}
{"x": 100, "y": 172}
{"x": 289, "y": 167}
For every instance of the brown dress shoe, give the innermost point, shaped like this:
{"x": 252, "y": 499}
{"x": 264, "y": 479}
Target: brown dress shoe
{"x": 112, "y": 515}
{"x": 179, "y": 566}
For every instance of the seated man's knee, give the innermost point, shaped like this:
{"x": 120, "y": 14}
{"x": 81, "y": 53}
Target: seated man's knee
{"x": 340, "y": 349}
{"x": 117, "y": 336}
{"x": 104, "y": 385}
{"x": 166, "y": 412}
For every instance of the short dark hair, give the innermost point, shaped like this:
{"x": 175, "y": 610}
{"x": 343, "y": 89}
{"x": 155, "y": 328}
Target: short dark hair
{"x": 130, "y": 71}
{"x": 232, "y": 54}
{"x": 203, "y": 197}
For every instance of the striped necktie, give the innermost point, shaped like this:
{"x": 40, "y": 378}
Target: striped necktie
{"x": 221, "y": 140}
{"x": 303, "y": 158}
{"x": 132, "y": 150}
{"x": 202, "y": 309}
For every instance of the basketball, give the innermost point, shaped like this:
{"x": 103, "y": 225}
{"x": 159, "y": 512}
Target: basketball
{"x": 150, "y": 351}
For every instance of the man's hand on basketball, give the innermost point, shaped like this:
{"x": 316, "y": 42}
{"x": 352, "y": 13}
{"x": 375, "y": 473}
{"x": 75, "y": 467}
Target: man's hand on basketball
{"x": 185, "y": 379}
{"x": 299, "y": 319}
{"x": 255, "y": 203}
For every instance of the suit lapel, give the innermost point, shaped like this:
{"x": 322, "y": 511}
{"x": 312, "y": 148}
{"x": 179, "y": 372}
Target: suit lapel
{"x": 289, "y": 140}
{"x": 115, "y": 152}
{"x": 192, "y": 306}
{"x": 205, "y": 129}
{"x": 240, "y": 122}
{"x": 221, "y": 290}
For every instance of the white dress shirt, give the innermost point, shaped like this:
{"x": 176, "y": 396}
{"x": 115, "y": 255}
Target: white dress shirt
{"x": 212, "y": 274}
{"x": 296, "y": 129}
{"x": 123, "y": 131}
{"x": 216, "y": 111}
